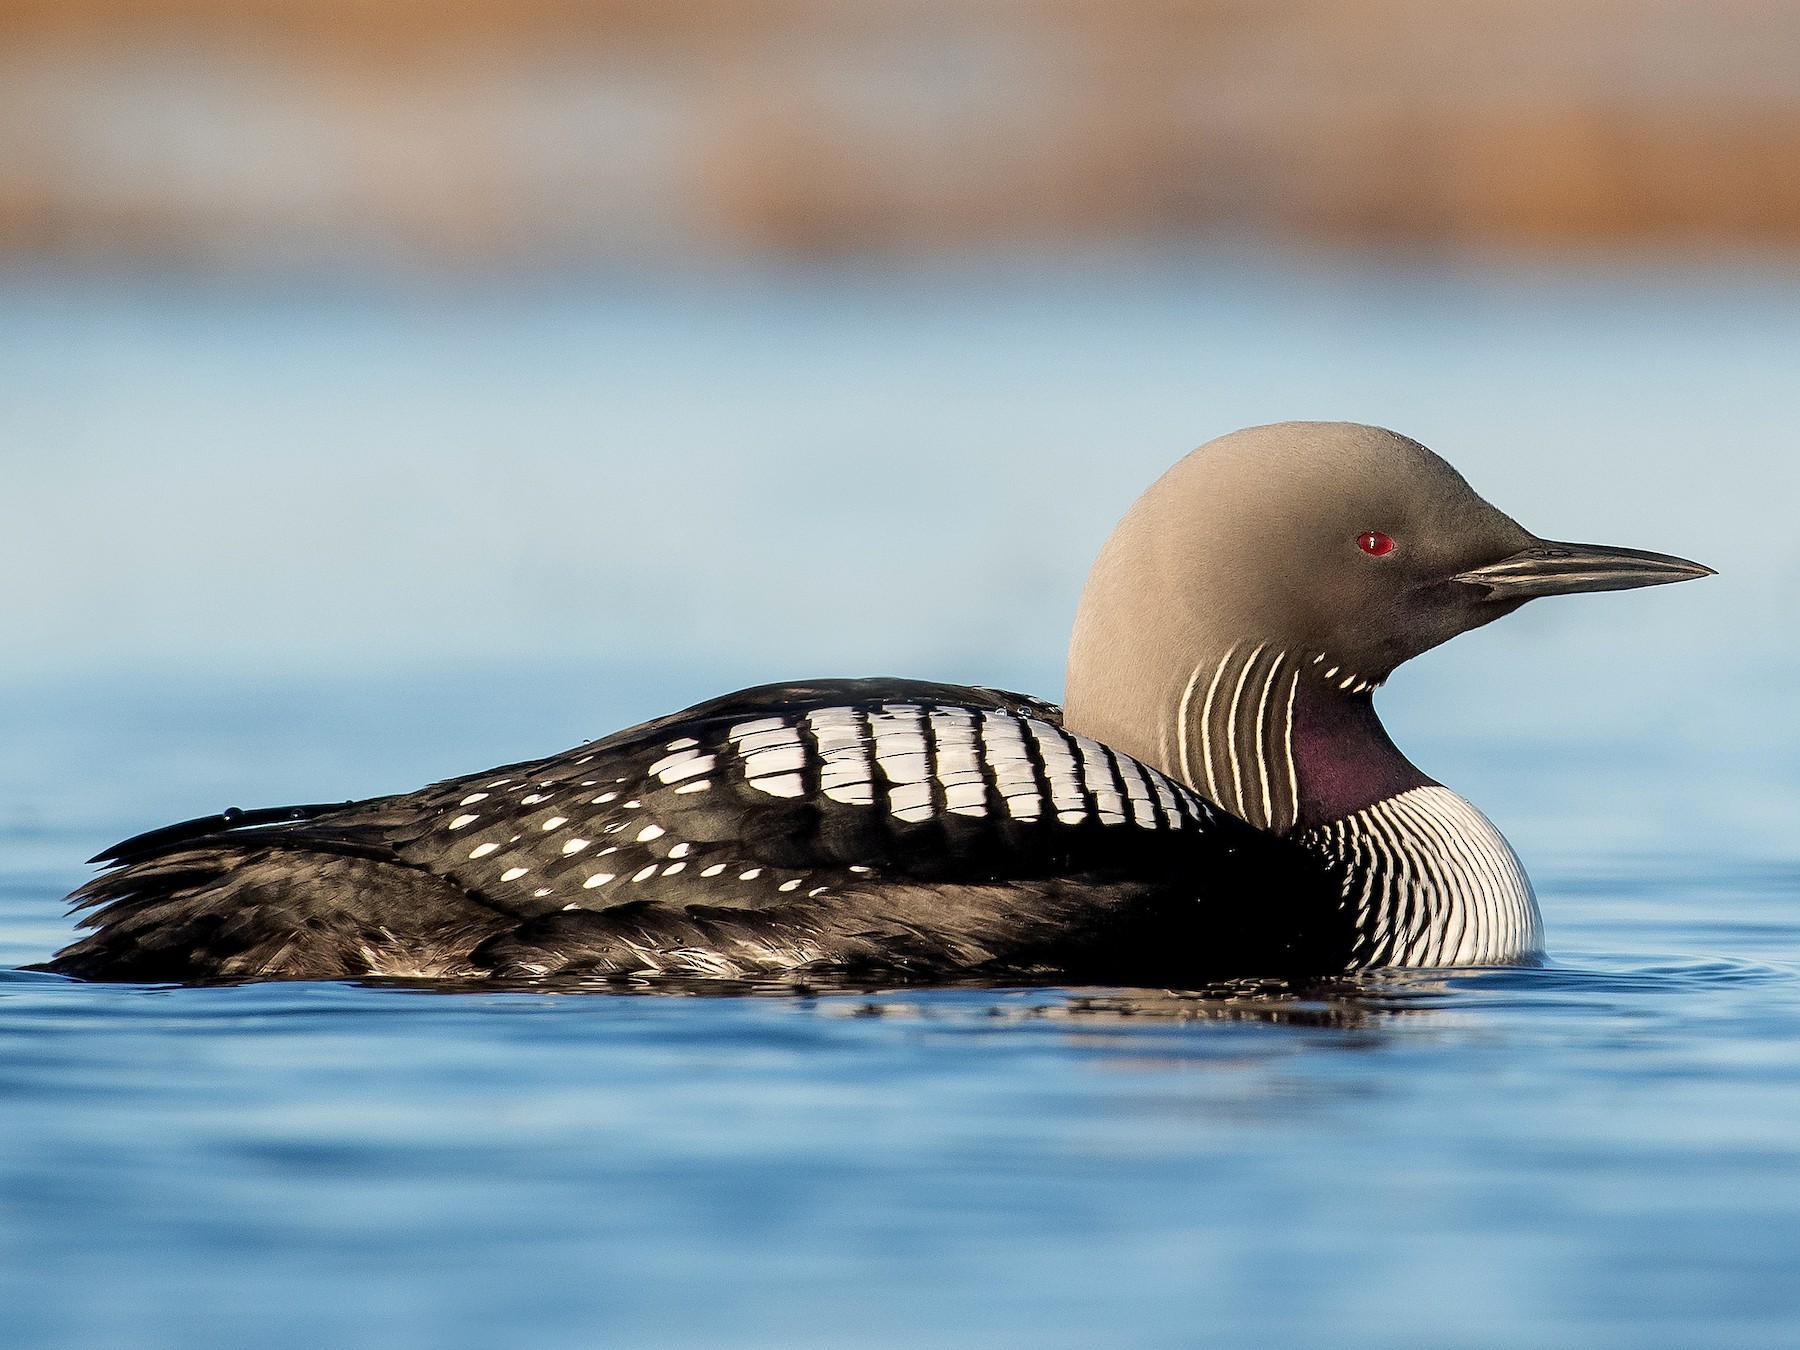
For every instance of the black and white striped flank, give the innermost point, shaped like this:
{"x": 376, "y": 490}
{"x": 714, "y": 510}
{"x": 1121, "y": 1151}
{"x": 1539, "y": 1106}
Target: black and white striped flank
{"x": 917, "y": 761}
{"x": 710, "y": 803}
{"x": 1432, "y": 883}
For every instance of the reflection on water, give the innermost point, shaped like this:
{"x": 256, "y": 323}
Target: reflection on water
{"x": 1603, "y": 1141}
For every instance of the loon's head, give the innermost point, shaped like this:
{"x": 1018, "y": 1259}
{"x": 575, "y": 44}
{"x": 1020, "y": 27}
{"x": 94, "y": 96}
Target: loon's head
{"x": 1280, "y": 569}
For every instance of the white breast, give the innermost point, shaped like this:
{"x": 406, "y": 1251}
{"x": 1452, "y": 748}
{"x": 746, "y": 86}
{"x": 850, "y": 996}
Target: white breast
{"x": 1432, "y": 882}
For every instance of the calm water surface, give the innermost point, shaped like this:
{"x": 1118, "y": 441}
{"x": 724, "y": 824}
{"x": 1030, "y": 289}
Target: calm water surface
{"x": 1603, "y": 1152}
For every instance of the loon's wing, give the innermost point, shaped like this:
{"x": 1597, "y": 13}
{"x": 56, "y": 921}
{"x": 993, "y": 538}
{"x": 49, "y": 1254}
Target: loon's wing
{"x": 877, "y": 825}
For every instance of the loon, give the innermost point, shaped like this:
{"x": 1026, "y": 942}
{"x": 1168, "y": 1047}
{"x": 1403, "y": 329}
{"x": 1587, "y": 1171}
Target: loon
{"x": 1216, "y": 798}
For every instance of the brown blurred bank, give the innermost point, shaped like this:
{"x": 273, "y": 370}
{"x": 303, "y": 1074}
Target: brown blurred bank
{"x": 469, "y": 132}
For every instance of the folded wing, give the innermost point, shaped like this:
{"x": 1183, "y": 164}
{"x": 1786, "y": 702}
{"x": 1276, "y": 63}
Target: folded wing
{"x": 879, "y": 825}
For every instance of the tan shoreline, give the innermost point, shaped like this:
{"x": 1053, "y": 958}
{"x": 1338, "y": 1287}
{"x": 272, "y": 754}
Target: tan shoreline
{"x": 481, "y": 131}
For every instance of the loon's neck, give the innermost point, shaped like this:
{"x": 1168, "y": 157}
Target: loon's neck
{"x": 1285, "y": 740}
{"x": 1344, "y": 760}
{"x": 1429, "y": 879}
{"x": 1291, "y": 743}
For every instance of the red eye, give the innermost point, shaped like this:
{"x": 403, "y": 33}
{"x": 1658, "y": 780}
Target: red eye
{"x": 1375, "y": 544}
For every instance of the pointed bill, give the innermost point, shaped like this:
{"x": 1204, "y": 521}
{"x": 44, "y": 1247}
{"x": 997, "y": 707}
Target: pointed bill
{"x": 1548, "y": 568}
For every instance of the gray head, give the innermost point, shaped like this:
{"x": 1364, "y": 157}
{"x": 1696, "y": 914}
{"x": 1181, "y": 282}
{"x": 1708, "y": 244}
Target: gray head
{"x": 1273, "y": 578}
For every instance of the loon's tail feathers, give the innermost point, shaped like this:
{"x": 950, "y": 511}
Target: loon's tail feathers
{"x": 254, "y": 908}
{"x": 169, "y": 837}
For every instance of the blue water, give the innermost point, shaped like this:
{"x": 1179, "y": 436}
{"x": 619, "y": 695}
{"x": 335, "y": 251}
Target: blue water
{"x": 272, "y": 545}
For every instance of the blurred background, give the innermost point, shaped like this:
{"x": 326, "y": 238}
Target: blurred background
{"x": 470, "y": 133}
{"x": 548, "y": 364}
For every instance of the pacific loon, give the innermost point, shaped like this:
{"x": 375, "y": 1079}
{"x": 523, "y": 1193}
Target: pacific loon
{"x": 1215, "y": 799}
